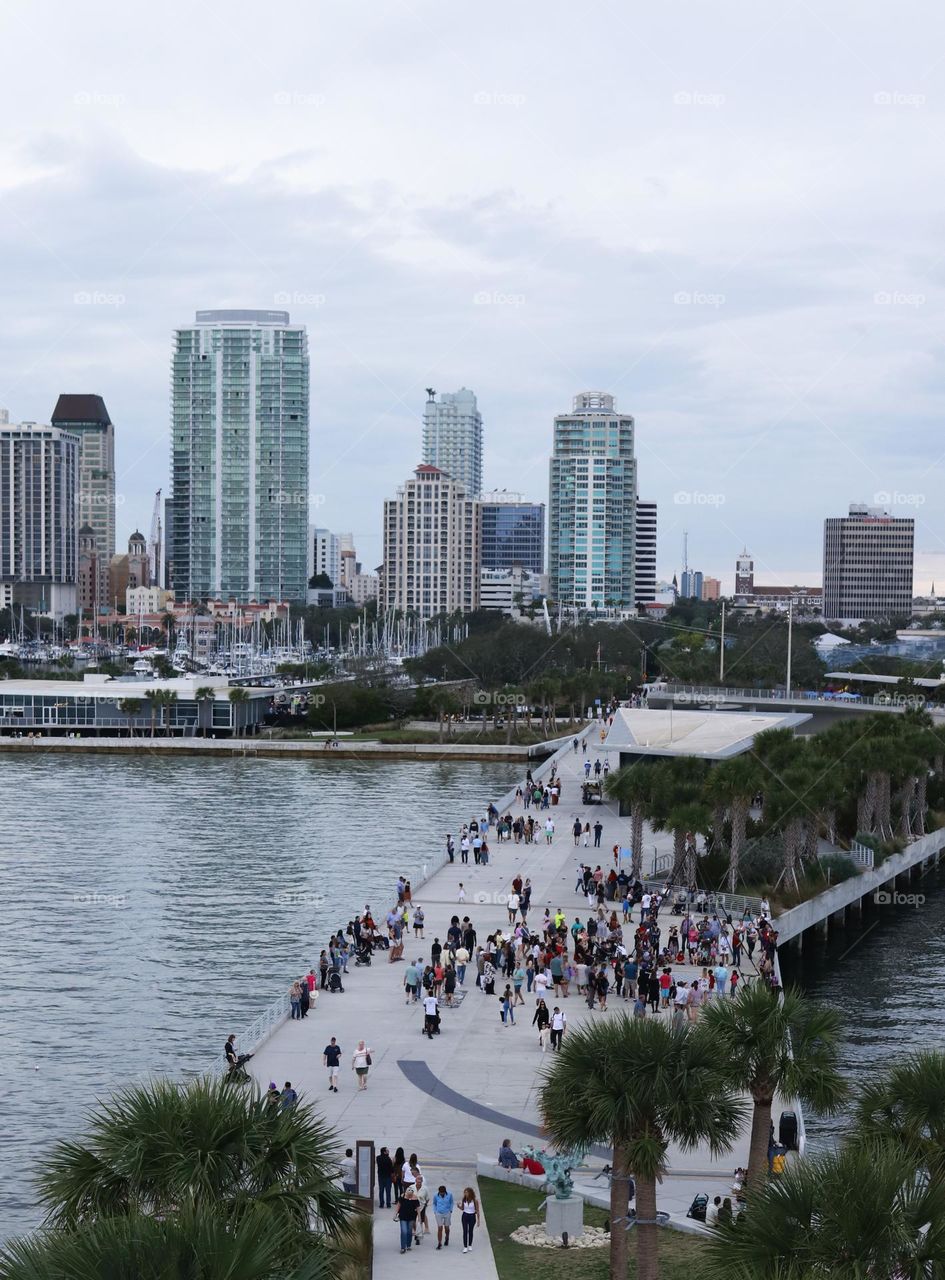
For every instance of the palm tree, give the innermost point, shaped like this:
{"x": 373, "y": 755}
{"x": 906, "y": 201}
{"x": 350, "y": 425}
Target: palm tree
{"x": 905, "y": 1107}
{"x": 204, "y": 698}
{"x": 130, "y": 707}
{"x": 153, "y": 701}
{"x": 633, "y": 786}
{"x": 637, "y": 1085}
{"x": 163, "y": 1148}
{"x": 677, "y": 806}
{"x": 167, "y": 698}
{"x": 238, "y": 698}
{"x": 787, "y": 1045}
{"x": 731, "y": 785}
{"x": 862, "y": 1212}
{"x": 191, "y": 1243}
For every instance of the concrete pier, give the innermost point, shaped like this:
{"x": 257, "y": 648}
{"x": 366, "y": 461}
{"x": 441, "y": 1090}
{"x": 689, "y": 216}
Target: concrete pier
{"x": 454, "y": 1098}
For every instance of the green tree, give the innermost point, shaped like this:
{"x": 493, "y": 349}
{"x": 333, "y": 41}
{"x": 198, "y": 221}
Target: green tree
{"x": 204, "y": 696}
{"x": 239, "y": 697}
{"x": 863, "y": 1212}
{"x": 633, "y": 787}
{"x": 905, "y": 1107}
{"x": 637, "y": 1085}
{"x": 196, "y": 1243}
{"x": 731, "y": 786}
{"x": 788, "y": 1046}
{"x": 131, "y": 707}
{"x": 163, "y": 1151}
{"x": 677, "y": 805}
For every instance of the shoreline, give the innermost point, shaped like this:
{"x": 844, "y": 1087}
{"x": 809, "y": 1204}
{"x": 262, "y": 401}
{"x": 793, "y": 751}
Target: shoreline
{"x": 281, "y": 748}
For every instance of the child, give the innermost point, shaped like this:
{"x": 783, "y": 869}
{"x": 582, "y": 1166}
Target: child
{"x": 462, "y": 892}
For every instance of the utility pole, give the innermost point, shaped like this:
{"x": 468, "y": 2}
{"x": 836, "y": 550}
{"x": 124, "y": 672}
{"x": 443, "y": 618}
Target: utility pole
{"x": 722, "y": 647}
{"x": 787, "y": 681}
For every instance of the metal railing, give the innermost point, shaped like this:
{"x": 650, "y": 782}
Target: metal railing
{"x": 730, "y": 904}
{"x": 258, "y": 1031}
{"x": 863, "y": 855}
{"x": 702, "y": 694}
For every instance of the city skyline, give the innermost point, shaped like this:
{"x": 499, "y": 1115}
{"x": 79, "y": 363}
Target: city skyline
{"x": 772, "y": 332}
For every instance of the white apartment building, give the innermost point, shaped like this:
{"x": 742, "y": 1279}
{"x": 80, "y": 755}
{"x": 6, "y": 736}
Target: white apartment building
{"x": 509, "y": 590}
{"x": 432, "y": 546}
{"x": 324, "y": 554}
{"x": 452, "y": 437}
{"x": 363, "y": 587}
{"x": 644, "y": 553}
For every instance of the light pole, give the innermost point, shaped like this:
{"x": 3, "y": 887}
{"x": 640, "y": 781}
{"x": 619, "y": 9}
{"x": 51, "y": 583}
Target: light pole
{"x": 722, "y": 647}
{"x": 787, "y": 680}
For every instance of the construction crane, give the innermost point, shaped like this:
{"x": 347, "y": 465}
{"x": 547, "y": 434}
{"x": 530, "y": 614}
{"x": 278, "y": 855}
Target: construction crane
{"x": 155, "y": 550}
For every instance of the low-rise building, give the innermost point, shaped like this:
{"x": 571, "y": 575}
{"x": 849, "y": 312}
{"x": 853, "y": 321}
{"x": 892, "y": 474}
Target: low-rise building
{"x": 508, "y": 591}
{"x": 147, "y": 600}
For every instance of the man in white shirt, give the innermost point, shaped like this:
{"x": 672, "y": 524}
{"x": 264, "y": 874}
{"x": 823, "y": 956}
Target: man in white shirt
{"x": 348, "y": 1170}
{"x": 541, "y": 984}
{"x": 644, "y": 906}
{"x": 712, "y": 1212}
{"x": 558, "y": 1023}
{"x": 430, "y": 1007}
{"x": 512, "y": 905}
{"x": 549, "y": 830}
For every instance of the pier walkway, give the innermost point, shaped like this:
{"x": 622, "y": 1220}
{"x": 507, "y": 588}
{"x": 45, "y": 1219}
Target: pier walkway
{"x": 456, "y": 1097}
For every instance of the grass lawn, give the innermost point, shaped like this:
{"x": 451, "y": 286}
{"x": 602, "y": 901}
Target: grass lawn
{"x": 680, "y": 1255}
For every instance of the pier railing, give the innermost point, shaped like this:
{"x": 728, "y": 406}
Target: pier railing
{"x": 255, "y": 1035}
{"x": 862, "y": 854}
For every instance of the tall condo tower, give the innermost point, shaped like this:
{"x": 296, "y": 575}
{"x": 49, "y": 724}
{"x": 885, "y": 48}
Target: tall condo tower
{"x": 239, "y": 457}
{"x": 85, "y": 416}
{"x": 452, "y": 437}
{"x": 592, "y": 505}
{"x": 644, "y": 553}
{"x": 39, "y": 483}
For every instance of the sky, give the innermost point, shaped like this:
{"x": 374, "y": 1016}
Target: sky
{"x": 729, "y": 215}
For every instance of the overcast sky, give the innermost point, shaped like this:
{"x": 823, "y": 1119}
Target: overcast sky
{"x": 727, "y": 214}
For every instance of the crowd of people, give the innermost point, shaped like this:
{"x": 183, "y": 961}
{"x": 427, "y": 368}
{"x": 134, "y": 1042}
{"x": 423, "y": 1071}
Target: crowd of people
{"x": 401, "y": 1184}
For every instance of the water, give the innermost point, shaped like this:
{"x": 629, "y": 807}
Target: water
{"x": 883, "y": 977}
{"x": 151, "y": 906}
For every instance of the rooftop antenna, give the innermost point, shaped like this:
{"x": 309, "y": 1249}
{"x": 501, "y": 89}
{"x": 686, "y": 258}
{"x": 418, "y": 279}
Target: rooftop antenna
{"x": 431, "y": 394}
{"x": 685, "y": 551}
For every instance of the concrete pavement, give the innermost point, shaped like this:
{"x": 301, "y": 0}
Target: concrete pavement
{"x": 459, "y": 1095}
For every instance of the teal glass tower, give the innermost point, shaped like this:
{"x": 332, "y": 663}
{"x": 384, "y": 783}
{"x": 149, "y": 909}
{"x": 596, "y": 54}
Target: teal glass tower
{"x": 592, "y": 506}
{"x": 239, "y": 457}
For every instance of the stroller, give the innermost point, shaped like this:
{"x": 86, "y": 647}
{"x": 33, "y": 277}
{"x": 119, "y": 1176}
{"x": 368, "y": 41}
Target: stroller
{"x": 334, "y": 981}
{"x": 364, "y": 954}
{"x": 698, "y": 1207}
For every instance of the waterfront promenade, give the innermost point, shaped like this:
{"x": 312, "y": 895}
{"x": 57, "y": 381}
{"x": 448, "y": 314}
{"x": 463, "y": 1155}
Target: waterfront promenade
{"x": 456, "y": 1097}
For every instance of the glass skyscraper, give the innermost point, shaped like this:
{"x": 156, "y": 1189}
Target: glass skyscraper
{"x": 592, "y": 506}
{"x": 513, "y": 532}
{"x": 239, "y": 457}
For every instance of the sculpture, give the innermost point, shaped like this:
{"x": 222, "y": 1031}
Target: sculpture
{"x": 558, "y": 1167}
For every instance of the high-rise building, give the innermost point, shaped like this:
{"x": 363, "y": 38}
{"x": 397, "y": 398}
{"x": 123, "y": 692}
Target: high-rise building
{"x": 513, "y": 532}
{"x": 39, "y": 484}
{"x": 432, "y": 547}
{"x": 452, "y": 437}
{"x": 239, "y": 457}
{"x": 868, "y": 559}
{"x": 85, "y": 416}
{"x": 324, "y": 555}
{"x": 690, "y": 584}
{"x": 744, "y": 577}
{"x": 592, "y": 505}
{"x": 644, "y": 554}
{"x": 711, "y": 588}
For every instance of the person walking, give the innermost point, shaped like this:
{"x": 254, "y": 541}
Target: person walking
{"x": 542, "y": 1020}
{"x": 407, "y": 1213}
{"x": 443, "y": 1205}
{"x": 295, "y": 1000}
{"x": 598, "y": 832}
{"x": 385, "y": 1178}
{"x": 559, "y": 1022}
{"x": 430, "y": 1015}
{"x": 450, "y": 848}
{"x": 576, "y": 831}
{"x": 506, "y": 1011}
{"x": 304, "y": 998}
{"x": 470, "y": 1218}
{"x": 361, "y": 1064}
{"x": 331, "y": 1057}
{"x": 512, "y": 905}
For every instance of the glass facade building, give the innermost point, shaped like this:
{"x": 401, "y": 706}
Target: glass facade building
{"x": 592, "y": 506}
{"x": 85, "y": 416}
{"x": 452, "y": 437}
{"x": 239, "y": 457}
{"x": 513, "y": 532}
